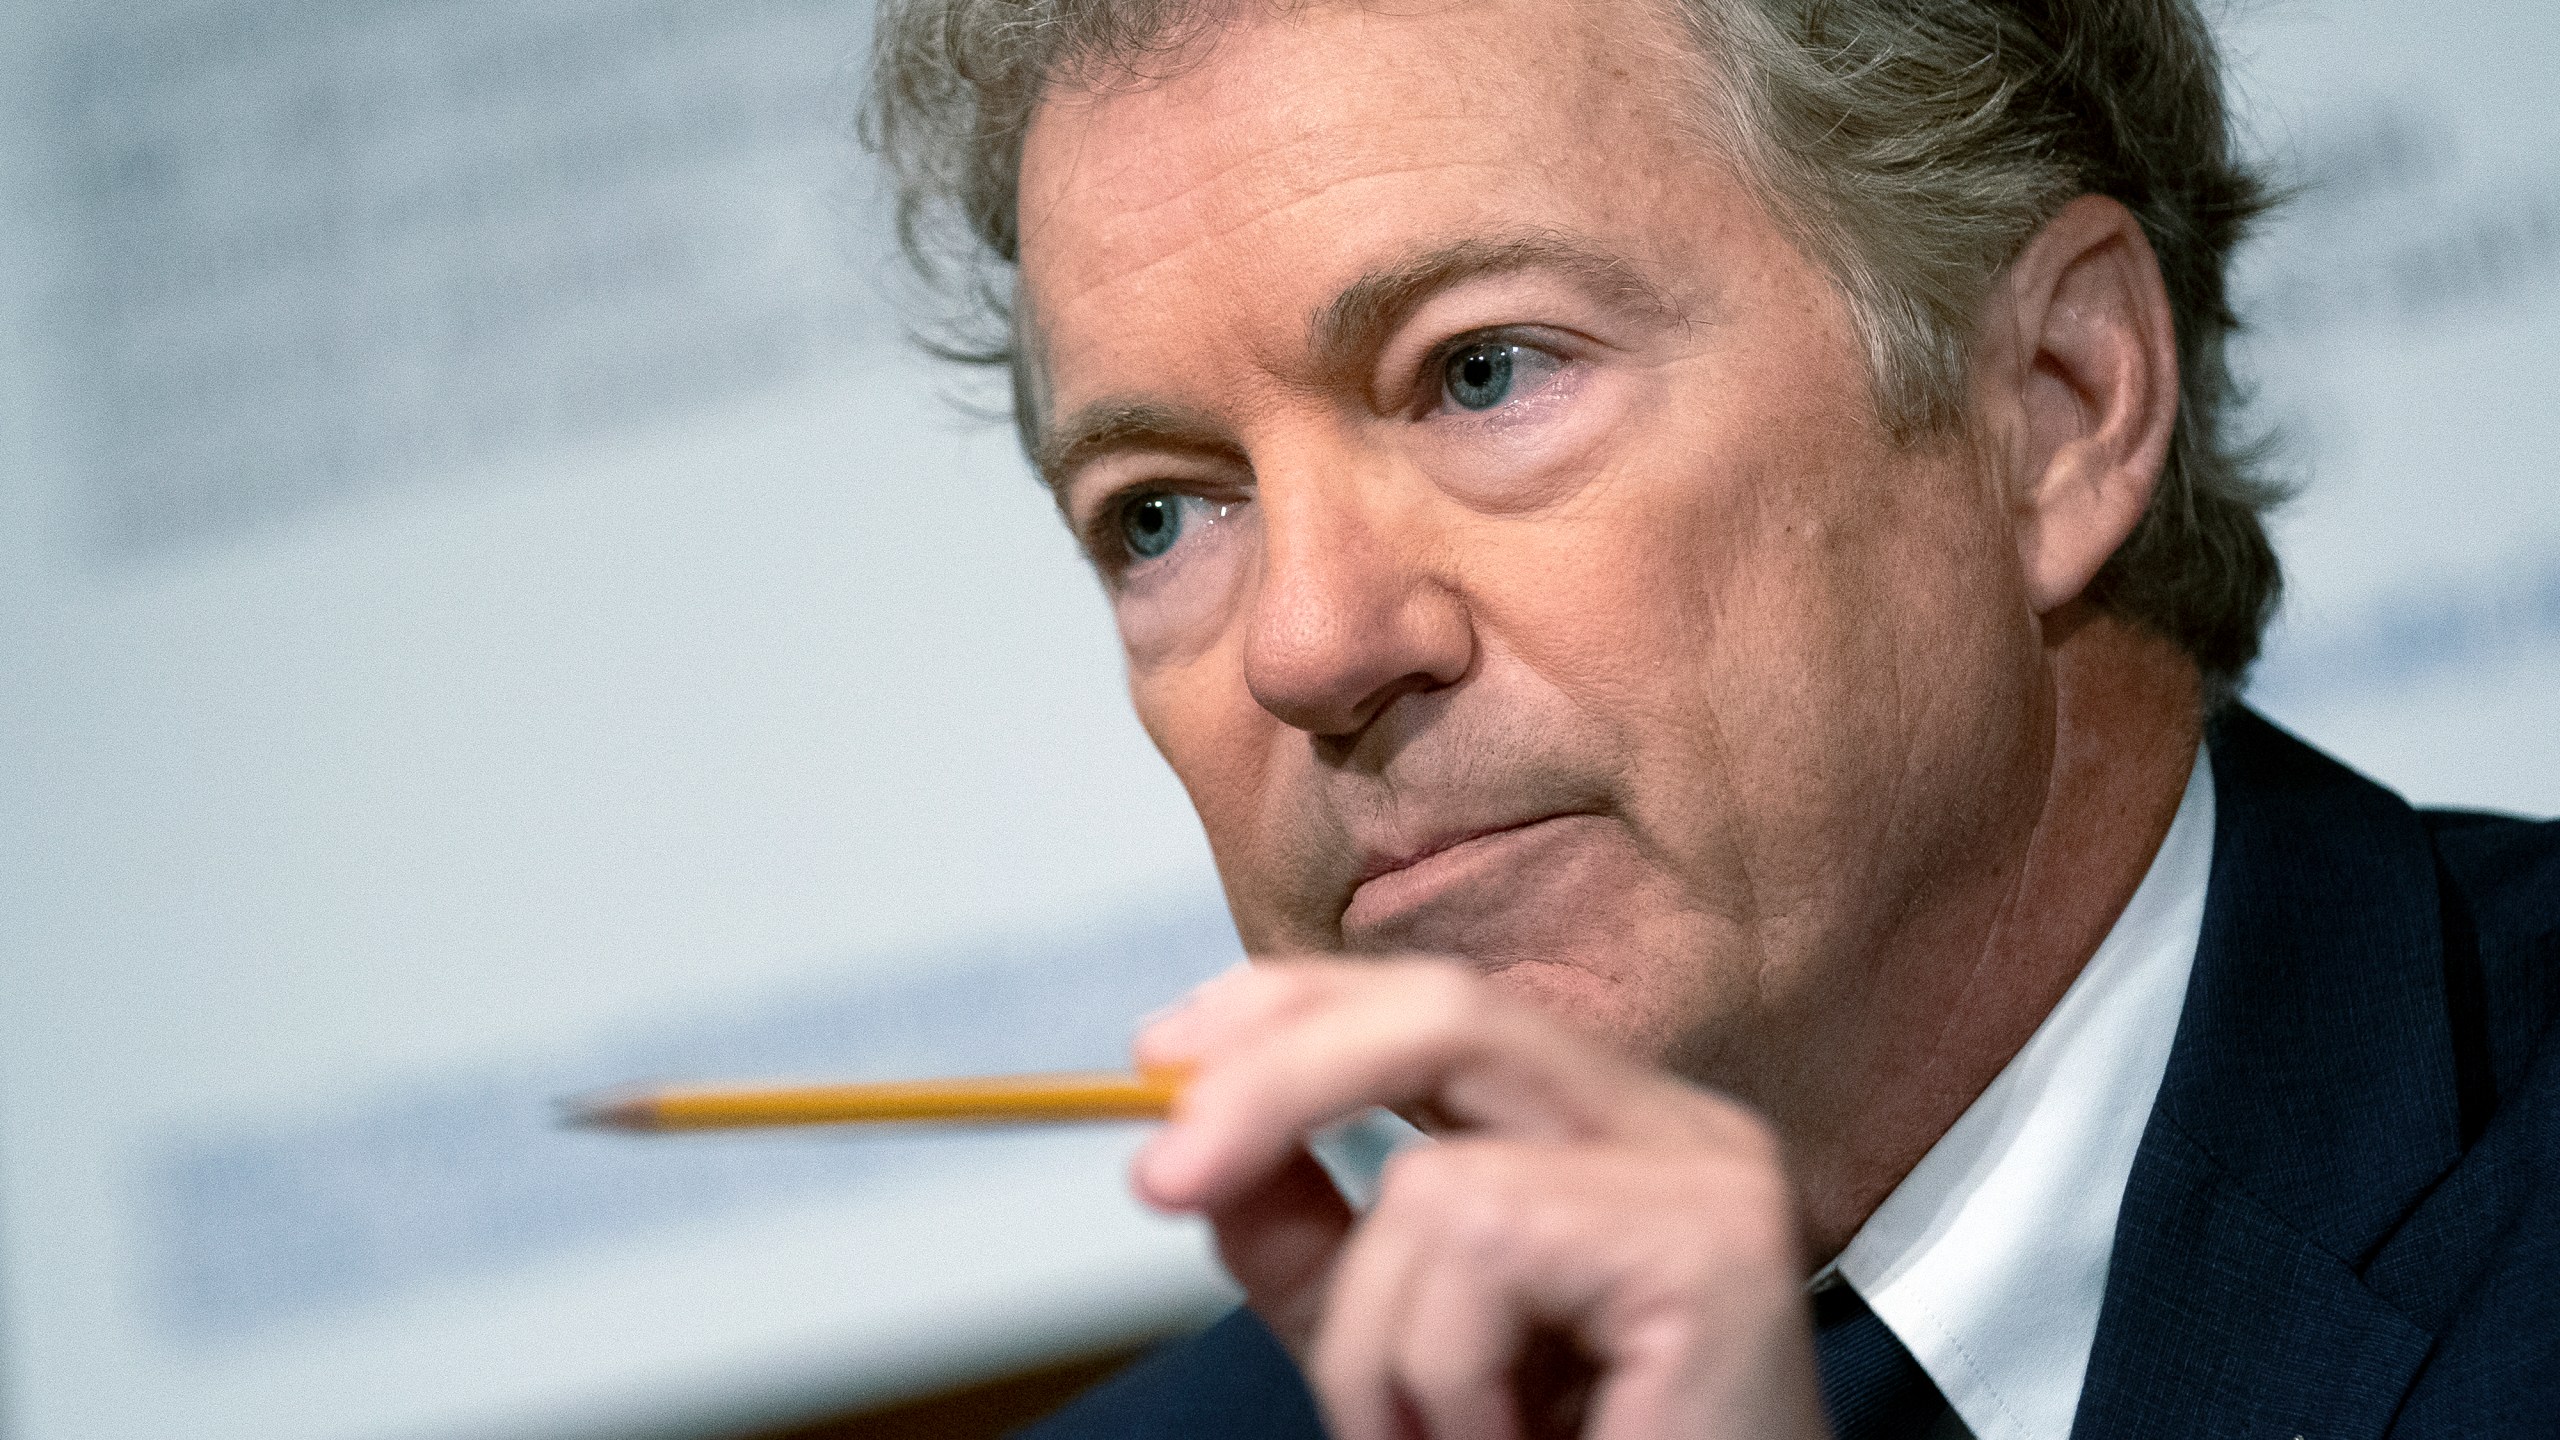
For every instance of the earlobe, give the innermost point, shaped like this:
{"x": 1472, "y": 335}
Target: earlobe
{"x": 2095, "y": 371}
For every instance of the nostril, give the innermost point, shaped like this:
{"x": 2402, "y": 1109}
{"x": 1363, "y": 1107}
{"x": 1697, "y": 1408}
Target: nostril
{"x": 1334, "y": 683}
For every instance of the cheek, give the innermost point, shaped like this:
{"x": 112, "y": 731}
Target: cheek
{"x": 1243, "y": 771}
{"x": 1216, "y": 740}
{"x": 1763, "y": 628}
{"x": 1854, "y": 650}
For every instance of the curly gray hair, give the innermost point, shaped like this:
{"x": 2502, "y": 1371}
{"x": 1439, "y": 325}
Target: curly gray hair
{"x": 1910, "y": 146}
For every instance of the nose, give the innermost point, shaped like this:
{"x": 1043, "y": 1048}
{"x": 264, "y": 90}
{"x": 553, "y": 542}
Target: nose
{"x": 1347, "y": 614}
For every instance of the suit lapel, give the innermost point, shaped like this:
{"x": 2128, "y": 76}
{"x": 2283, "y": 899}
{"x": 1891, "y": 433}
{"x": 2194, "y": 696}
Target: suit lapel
{"x": 2309, "y": 1103}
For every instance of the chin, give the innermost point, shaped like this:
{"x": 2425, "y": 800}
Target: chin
{"x": 1572, "y": 915}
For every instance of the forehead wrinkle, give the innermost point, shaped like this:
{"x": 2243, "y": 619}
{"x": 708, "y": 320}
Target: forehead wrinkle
{"x": 1278, "y": 208}
{"x": 1277, "y": 156}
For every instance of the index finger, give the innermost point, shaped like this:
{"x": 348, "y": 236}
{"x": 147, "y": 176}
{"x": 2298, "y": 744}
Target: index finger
{"x": 1280, "y": 1050}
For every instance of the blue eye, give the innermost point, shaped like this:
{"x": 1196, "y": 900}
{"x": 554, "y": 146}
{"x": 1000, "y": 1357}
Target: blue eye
{"x": 1150, "y": 524}
{"x": 1479, "y": 376}
{"x": 1144, "y": 526}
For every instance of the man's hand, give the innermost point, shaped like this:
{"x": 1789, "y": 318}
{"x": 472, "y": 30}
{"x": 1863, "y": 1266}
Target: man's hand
{"x": 1594, "y": 1247}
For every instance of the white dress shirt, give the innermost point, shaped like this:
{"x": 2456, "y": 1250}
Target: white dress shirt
{"x": 1989, "y": 1261}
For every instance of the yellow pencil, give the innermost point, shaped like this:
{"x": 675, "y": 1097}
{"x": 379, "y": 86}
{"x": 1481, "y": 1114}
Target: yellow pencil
{"x": 974, "y": 1099}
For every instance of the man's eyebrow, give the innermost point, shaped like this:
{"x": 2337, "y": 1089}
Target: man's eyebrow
{"x": 1347, "y": 333}
{"x": 1107, "y": 426}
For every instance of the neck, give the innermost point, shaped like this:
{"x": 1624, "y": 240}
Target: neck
{"x": 1978, "y": 969}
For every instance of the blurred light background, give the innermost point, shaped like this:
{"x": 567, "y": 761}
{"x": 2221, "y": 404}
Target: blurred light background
{"x": 490, "y": 606}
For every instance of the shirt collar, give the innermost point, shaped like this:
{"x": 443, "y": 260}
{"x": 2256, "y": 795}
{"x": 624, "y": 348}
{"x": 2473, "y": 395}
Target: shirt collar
{"x": 1989, "y": 1260}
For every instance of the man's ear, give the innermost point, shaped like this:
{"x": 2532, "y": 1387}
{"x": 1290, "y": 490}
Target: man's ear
{"x": 2079, "y": 358}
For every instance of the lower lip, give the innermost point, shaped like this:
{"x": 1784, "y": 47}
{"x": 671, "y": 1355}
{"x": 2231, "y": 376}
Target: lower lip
{"x": 1466, "y": 872}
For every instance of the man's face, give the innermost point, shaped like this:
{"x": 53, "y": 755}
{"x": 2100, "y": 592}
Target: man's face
{"x": 1507, "y": 555}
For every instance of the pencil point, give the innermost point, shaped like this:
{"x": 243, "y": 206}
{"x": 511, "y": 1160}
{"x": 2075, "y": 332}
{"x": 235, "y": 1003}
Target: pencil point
{"x": 612, "y": 1110}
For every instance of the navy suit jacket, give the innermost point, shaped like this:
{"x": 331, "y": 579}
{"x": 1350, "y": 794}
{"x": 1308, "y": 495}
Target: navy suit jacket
{"x": 2344, "y": 1220}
